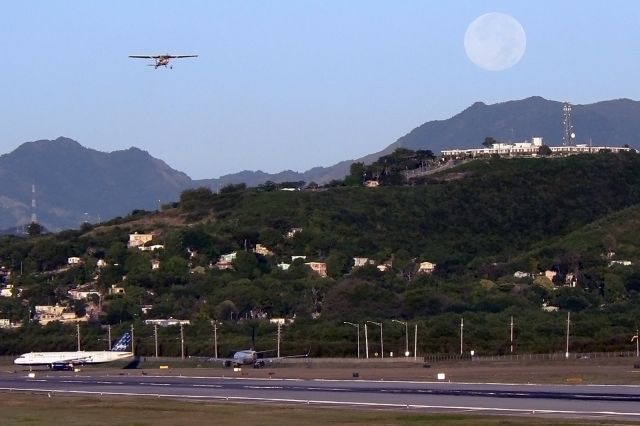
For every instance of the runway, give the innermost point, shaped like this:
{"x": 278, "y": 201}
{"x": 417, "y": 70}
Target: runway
{"x": 578, "y": 401}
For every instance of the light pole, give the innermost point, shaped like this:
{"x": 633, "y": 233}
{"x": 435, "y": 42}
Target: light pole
{"x": 461, "y": 335}
{"x": 511, "y": 334}
{"x": 78, "y": 333}
{"x": 379, "y": 324}
{"x": 132, "y": 342}
{"x": 357, "y": 326}
{"x": 568, "y": 322}
{"x": 366, "y": 340}
{"x": 155, "y": 336}
{"x": 109, "y": 335}
{"x": 406, "y": 336}
{"x": 415, "y": 342}
{"x": 279, "y": 332}
{"x": 215, "y": 339}
{"x": 181, "y": 340}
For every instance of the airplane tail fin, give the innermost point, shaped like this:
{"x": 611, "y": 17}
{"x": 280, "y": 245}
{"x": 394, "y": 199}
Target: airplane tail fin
{"x": 123, "y": 343}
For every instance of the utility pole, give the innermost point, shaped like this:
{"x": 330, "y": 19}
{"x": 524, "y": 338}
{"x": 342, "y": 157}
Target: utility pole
{"x": 279, "y": 328}
{"x": 181, "y": 341}
{"x": 568, "y": 322}
{"x": 109, "y": 335}
{"x": 461, "y": 335}
{"x": 415, "y": 342}
{"x": 132, "y": 344}
{"x": 366, "y": 341}
{"x": 155, "y": 335}
{"x": 511, "y": 334}
{"x": 78, "y": 334}
{"x": 215, "y": 339}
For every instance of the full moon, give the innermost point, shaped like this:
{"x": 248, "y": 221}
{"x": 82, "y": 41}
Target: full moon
{"x": 495, "y": 41}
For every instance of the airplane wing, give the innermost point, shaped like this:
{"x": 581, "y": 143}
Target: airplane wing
{"x": 275, "y": 359}
{"x": 142, "y": 56}
{"x": 184, "y": 56}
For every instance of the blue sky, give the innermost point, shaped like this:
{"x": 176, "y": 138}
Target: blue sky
{"x": 287, "y": 84}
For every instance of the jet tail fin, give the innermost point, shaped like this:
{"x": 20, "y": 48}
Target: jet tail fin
{"x": 123, "y": 343}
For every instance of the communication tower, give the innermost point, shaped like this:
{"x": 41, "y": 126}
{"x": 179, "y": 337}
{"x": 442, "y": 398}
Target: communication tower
{"x": 34, "y": 218}
{"x": 569, "y": 135}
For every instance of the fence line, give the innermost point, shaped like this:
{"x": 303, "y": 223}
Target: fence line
{"x": 527, "y": 357}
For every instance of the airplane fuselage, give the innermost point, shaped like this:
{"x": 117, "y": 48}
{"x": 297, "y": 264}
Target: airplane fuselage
{"x": 76, "y": 357}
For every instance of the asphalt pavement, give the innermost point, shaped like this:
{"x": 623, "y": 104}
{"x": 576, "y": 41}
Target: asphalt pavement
{"x": 576, "y": 401}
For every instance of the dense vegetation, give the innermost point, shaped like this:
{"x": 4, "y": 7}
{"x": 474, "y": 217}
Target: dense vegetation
{"x": 479, "y": 223}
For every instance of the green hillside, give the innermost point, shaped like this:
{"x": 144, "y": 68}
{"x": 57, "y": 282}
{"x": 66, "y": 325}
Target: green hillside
{"x": 478, "y": 223}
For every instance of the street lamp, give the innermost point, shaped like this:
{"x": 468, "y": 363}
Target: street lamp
{"x": 215, "y": 338}
{"x": 406, "y": 336}
{"x": 379, "y": 324}
{"x": 181, "y": 340}
{"x": 357, "y": 326}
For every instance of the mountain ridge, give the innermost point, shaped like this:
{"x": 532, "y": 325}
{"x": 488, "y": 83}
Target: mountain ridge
{"x": 76, "y": 184}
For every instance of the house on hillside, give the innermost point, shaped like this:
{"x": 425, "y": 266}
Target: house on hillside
{"x": 620, "y": 262}
{"x": 78, "y": 294}
{"x": 168, "y": 322}
{"x": 137, "y": 240}
{"x": 362, "y": 261}
{"x": 292, "y": 232}
{"x": 262, "y": 250}
{"x": 7, "y": 291}
{"x": 319, "y": 268}
{"x": 229, "y": 257}
{"x": 153, "y": 247}
{"x": 74, "y": 260}
{"x": 114, "y": 289}
{"x": 45, "y": 314}
{"x": 283, "y": 266}
{"x": 426, "y": 267}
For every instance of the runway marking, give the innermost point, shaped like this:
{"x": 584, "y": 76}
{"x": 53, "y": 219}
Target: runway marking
{"x": 263, "y": 387}
{"x": 416, "y": 382}
{"x": 338, "y": 403}
{"x": 207, "y": 386}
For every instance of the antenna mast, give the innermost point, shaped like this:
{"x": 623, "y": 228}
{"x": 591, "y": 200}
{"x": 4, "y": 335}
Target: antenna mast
{"x": 568, "y": 136}
{"x": 34, "y": 218}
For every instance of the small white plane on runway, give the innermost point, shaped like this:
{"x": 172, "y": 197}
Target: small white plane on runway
{"x": 67, "y": 360}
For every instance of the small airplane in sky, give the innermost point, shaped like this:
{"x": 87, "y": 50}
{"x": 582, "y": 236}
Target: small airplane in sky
{"x": 67, "y": 360}
{"x": 162, "y": 60}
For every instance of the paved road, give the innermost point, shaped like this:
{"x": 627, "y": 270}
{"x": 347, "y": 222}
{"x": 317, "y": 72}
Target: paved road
{"x": 583, "y": 401}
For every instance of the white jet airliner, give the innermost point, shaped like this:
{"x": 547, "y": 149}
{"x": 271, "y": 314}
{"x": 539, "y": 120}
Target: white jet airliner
{"x": 67, "y": 360}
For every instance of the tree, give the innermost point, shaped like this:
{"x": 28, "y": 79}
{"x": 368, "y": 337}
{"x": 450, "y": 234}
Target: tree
{"x": 489, "y": 142}
{"x": 196, "y": 199}
{"x": 544, "y": 151}
{"x": 34, "y": 228}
